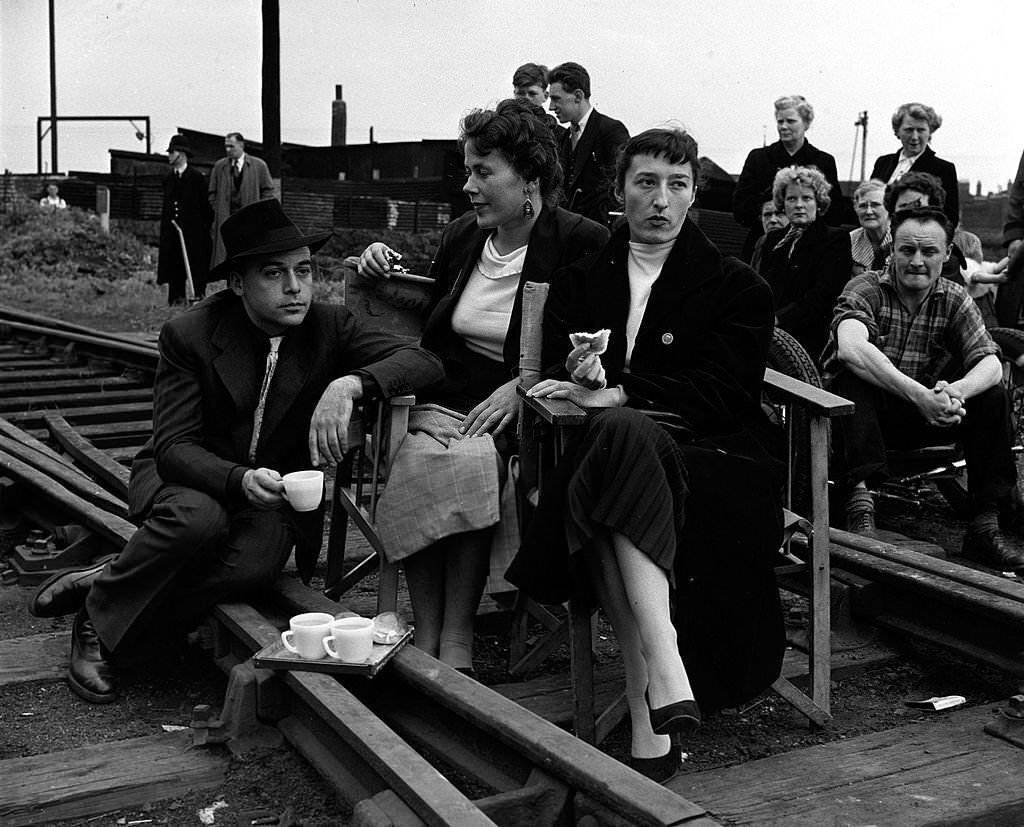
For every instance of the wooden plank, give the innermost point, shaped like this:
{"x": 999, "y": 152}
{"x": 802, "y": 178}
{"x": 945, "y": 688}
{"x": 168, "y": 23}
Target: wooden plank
{"x": 85, "y": 415}
{"x": 108, "y": 525}
{"x": 74, "y": 400}
{"x": 34, "y": 658}
{"x": 920, "y": 774}
{"x": 421, "y": 786}
{"x": 53, "y": 373}
{"x": 14, "y": 432}
{"x": 110, "y": 473}
{"x": 70, "y": 478}
{"x": 103, "y": 777}
{"x": 991, "y": 583}
{"x": 89, "y": 384}
{"x": 582, "y": 766}
{"x": 816, "y": 400}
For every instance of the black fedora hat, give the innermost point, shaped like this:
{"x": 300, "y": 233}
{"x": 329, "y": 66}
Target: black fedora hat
{"x": 261, "y": 228}
{"x": 179, "y": 143}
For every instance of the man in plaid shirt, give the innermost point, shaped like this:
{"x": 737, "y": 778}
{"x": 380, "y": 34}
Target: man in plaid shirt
{"x": 910, "y": 349}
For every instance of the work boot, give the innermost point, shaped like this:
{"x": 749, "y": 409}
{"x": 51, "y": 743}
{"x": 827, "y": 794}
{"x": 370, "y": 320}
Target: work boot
{"x": 860, "y": 512}
{"x": 91, "y": 675}
{"x": 985, "y": 543}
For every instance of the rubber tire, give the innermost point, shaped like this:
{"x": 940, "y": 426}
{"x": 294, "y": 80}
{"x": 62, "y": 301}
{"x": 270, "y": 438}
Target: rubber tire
{"x": 787, "y": 356}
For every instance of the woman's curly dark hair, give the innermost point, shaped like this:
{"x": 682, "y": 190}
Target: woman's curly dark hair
{"x": 523, "y": 133}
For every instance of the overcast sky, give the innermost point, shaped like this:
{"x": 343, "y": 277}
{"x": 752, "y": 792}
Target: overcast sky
{"x": 411, "y": 68}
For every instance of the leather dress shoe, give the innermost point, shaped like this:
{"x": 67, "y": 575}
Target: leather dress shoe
{"x": 682, "y": 717}
{"x": 91, "y": 675}
{"x": 987, "y": 545}
{"x": 660, "y": 769}
{"x": 64, "y": 593}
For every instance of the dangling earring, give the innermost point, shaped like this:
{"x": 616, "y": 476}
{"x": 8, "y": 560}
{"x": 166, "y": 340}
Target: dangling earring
{"x": 528, "y": 210}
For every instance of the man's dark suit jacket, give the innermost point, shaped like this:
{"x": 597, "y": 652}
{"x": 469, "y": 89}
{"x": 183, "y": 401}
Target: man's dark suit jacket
{"x": 929, "y": 162}
{"x": 589, "y": 170}
{"x": 558, "y": 238}
{"x": 212, "y": 361}
{"x": 185, "y": 201}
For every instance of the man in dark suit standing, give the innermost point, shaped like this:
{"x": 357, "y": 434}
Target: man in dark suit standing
{"x": 256, "y": 381}
{"x": 236, "y": 180}
{"x": 589, "y": 146}
{"x": 185, "y": 202}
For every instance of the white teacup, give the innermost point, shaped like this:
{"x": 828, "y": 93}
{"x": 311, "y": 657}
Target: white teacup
{"x": 304, "y": 489}
{"x": 350, "y": 640}
{"x": 305, "y": 634}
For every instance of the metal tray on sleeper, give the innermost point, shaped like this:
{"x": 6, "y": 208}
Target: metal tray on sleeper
{"x": 275, "y": 656}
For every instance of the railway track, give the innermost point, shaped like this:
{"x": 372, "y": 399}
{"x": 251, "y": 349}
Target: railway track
{"x": 420, "y": 744}
{"x": 76, "y": 406}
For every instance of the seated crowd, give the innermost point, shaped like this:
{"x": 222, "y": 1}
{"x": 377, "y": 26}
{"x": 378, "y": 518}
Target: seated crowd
{"x": 665, "y": 508}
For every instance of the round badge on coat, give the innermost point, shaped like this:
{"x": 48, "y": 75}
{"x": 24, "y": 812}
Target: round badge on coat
{"x": 667, "y": 338}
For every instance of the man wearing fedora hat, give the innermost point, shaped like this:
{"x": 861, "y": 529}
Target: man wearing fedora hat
{"x": 185, "y": 202}
{"x": 256, "y": 381}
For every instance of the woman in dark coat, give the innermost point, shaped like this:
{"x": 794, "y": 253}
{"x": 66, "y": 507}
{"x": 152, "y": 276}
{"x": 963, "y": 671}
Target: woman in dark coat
{"x": 443, "y": 500}
{"x": 914, "y": 124}
{"x": 808, "y": 263}
{"x": 793, "y": 117}
{"x": 671, "y": 518}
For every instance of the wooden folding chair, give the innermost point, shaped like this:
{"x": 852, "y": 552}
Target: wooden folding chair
{"x": 377, "y": 435}
{"x": 816, "y": 407}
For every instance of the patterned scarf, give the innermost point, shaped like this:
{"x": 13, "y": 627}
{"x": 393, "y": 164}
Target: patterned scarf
{"x": 791, "y": 237}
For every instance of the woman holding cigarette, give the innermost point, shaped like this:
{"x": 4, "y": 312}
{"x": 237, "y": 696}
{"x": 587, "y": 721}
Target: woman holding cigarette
{"x": 439, "y": 512}
{"x": 666, "y": 504}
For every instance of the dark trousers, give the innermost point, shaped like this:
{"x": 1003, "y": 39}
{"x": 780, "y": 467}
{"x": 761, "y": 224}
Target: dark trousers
{"x": 189, "y": 554}
{"x": 882, "y": 421}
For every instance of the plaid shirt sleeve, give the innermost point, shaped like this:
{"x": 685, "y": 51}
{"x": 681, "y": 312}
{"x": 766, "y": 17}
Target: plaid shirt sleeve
{"x": 859, "y": 300}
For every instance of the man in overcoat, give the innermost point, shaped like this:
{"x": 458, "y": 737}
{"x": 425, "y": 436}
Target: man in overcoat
{"x": 588, "y": 148}
{"x": 185, "y": 202}
{"x": 254, "y": 382}
{"x": 236, "y": 180}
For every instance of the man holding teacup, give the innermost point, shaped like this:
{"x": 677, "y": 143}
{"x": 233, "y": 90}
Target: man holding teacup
{"x": 253, "y": 383}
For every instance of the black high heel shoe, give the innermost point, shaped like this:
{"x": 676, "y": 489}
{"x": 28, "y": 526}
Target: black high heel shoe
{"x": 682, "y": 717}
{"x": 662, "y": 768}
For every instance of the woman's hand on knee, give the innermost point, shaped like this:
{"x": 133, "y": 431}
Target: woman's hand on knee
{"x": 495, "y": 413}
{"x": 263, "y": 488}
{"x": 375, "y": 262}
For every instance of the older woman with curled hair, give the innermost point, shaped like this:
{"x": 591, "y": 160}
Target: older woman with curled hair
{"x": 793, "y": 117}
{"x": 914, "y": 124}
{"x": 442, "y": 504}
{"x": 871, "y": 242}
{"x": 807, "y": 263}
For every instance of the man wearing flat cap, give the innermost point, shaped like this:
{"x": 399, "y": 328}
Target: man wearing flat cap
{"x": 185, "y": 203}
{"x": 256, "y": 381}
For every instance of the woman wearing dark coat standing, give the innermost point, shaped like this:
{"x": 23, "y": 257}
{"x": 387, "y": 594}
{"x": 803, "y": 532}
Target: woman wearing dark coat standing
{"x": 672, "y": 518}
{"x": 793, "y": 117}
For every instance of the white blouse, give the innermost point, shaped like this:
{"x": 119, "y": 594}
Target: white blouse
{"x": 483, "y": 311}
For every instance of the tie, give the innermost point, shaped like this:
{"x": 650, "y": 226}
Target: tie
{"x": 575, "y": 134}
{"x": 268, "y": 374}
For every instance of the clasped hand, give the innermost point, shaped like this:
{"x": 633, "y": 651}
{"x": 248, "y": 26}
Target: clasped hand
{"x": 943, "y": 406}
{"x": 263, "y": 488}
{"x": 585, "y": 367}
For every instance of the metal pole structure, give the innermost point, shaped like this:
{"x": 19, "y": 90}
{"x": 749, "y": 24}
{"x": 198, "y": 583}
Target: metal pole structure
{"x": 53, "y": 94}
{"x": 272, "y": 87}
{"x": 863, "y": 142}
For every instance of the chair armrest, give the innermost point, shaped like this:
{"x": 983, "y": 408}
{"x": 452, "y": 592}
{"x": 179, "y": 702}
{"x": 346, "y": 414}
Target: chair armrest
{"x": 553, "y": 411}
{"x": 816, "y": 400}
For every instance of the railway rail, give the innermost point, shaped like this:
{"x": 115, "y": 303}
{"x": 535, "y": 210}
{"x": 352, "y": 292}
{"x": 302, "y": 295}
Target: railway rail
{"x": 422, "y": 744}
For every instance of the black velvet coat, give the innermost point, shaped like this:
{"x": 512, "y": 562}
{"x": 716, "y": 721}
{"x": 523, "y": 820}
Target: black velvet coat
{"x": 700, "y": 353}
{"x": 807, "y": 284}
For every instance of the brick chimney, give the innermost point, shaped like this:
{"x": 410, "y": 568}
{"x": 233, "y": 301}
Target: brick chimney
{"x": 339, "y": 118}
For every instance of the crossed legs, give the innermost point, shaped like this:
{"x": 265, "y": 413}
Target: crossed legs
{"x": 446, "y": 582}
{"x": 634, "y": 592}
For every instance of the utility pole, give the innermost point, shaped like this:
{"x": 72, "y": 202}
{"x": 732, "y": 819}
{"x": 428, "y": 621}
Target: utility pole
{"x": 862, "y": 122}
{"x": 53, "y": 94}
{"x": 271, "y": 87}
